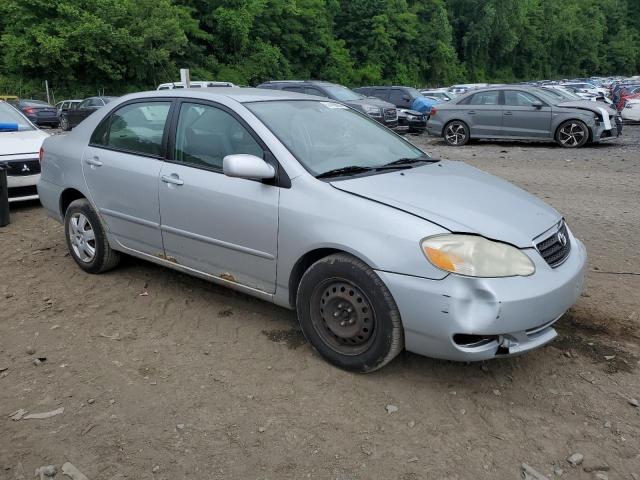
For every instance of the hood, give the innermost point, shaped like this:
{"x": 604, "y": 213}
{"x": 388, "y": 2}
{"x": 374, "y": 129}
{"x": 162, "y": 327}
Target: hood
{"x": 461, "y": 199}
{"x": 587, "y": 105}
{"x": 14, "y": 143}
{"x": 369, "y": 101}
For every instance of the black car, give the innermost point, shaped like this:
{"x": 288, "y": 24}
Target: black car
{"x": 401, "y": 97}
{"x": 382, "y": 111}
{"x": 414, "y": 121}
{"x": 39, "y": 112}
{"x": 73, "y": 116}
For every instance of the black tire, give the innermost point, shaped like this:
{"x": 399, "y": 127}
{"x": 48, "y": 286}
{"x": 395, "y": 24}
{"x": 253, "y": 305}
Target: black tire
{"x": 456, "y": 133}
{"x": 104, "y": 257}
{"x": 572, "y": 134}
{"x": 372, "y": 335}
{"x": 64, "y": 123}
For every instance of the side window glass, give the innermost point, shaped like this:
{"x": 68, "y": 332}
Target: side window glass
{"x": 485, "y": 98}
{"x": 139, "y": 127}
{"x": 84, "y": 103}
{"x": 206, "y": 134}
{"x": 518, "y": 99}
{"x": 293, "y": 89}
{"x": 396, "y": 97}
{"x": 314, "y": 91}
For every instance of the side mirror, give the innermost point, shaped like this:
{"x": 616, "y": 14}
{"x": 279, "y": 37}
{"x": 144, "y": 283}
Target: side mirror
{"x": 247, "y": 166}
{"x": 537, "y": 104}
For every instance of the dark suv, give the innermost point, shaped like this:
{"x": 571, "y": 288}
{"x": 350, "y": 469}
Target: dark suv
{"x": 382, "y": 111}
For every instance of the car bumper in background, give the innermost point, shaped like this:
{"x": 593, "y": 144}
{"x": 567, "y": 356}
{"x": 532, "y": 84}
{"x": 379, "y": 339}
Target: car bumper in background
{"x": 23, "y": 187}
{"x": 471, "y": 319}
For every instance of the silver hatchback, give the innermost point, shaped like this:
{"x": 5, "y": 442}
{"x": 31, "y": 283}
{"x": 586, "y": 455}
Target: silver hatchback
{"x": 311, "y": 205}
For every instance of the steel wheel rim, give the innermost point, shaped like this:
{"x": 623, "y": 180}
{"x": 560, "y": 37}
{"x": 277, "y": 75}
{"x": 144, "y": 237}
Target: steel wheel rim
{"x": 82, "y": 238}
{"x": 343, "y": 316}
{"x": 571, "y": 134}
{"x": 455, "y": 133}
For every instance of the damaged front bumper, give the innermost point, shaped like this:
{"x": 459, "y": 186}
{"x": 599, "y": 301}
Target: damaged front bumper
{"x": 471, "y": 319}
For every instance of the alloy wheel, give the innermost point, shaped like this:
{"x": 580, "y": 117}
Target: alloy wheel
{"x": 571, "y": 134}
{"x": 82, "y": 237}
{"x": 342, "y": 315}
{"x": 455, "y": 133}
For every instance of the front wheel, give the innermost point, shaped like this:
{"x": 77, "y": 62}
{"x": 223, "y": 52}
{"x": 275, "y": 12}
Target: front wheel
{"x": 456, "y": 133}
{"x": 572, "y": 134}
{"x": 348, "y": 315}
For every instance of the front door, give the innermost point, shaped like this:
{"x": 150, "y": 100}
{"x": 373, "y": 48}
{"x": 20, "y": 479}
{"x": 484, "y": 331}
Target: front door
{"x": 226, "y": 227}
{"x": 121, "y": 166}
{"x": 522, "y": 119}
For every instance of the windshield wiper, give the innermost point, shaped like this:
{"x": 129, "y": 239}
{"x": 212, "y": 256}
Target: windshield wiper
{"x": 409, "y": 161}
{"x": 351, "y": 169}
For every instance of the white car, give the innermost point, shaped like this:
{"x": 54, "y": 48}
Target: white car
{"x": 20, "y": 143}
{"x": 195, "y": 84}
{"x": 631, "y": 111}
{"x": 585, "y": 87}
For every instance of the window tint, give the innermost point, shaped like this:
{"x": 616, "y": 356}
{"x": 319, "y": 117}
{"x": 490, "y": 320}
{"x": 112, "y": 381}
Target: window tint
{"x": 206, "y": 134}
{"x": 293, "y": 89}
{"x": 396, "y": 97}
{"x": 138, "y": 128}
{"x": 485, "y": 98}
{"x": 519, "y": 99}
{"x": 314, "y": 91}
{"x": 84, "y": 103}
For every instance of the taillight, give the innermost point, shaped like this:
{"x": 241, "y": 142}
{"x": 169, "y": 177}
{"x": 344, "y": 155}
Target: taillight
{"x": 29, "y": 110}
{"x": 41, "y": 155}
{"x": 433, "y": 111}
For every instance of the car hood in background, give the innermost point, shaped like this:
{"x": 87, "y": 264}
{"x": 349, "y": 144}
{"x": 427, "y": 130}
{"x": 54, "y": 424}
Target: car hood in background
{"x": 461, "y": 199}
{"x": 369, "y": 101}
{"x": 587, "y": 105}
{"x": 29, "y": 141}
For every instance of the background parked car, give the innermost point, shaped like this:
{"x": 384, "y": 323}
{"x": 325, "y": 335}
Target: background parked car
{"x": 65, "y": 105}
{"x": 86, "y": 107}
{"x": 196, "y": 84}
{"x": 383, "y": 112}
{"x": 39, "y": 112}
{"x": 401, "y": 97}
{"x": 439, "y": 94}
{"x": 412, "y": 120}
{"x": 522, "y": 113}
{"x": 20, "y": 142}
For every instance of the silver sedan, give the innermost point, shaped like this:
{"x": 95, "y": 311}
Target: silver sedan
{"x": 523, "y": 113}
{"x": 311, "y": 205}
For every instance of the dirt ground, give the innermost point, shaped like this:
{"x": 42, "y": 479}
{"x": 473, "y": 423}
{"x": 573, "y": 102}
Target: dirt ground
{"x": 163, "y": 376}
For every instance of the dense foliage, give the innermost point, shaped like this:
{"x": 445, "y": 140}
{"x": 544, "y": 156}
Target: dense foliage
{"x": 85, "y": 46}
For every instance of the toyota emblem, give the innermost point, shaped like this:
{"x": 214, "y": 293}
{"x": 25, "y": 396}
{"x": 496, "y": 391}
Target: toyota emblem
{"x": 562, "y": 238}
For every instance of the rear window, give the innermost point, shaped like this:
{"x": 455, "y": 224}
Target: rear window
{"x": 9, "y": 115}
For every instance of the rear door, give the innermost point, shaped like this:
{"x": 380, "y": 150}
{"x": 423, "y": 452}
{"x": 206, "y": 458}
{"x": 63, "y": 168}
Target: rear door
{"x": 522, "y": 119}
{"x": 225, "y": 227}
{"x": 122, "y": 165}
{"x": 483, "y": 114}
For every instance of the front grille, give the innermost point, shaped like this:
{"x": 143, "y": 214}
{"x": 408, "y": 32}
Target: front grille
{"x": 555, "y": 249}
{"x": 22, "y": 168}
{"x": 390, "y": 114}
{"x": 17, "y": 192}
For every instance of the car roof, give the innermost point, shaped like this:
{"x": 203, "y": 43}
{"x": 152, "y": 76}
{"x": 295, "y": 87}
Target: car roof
{"x": 239, "y": 94}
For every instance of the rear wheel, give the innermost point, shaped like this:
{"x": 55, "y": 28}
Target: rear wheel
{"x": 456, "y": 133}
{"x": 348, "y": 314}
{"x": 572, "y": 134}
{"x": 64, "y": 123}
{"x": 86, "y": 239}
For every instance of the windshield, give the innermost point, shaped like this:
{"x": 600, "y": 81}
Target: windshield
{"x": 8, "y": 114}
{"x": 326, "y": 136}
{"x": 343, "y": 94}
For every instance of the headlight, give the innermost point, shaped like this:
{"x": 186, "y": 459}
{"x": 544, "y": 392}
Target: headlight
{"x": 373, "y": 111}
{"x": 475, "y": 256}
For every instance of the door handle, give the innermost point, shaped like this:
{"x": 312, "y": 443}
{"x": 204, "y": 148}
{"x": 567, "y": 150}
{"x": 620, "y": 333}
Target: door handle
{"x": 472, "y": 112}
{"x": 508, "y": 113}
{"x": 172, "y": 179}
{"x": 93, "y": 161}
